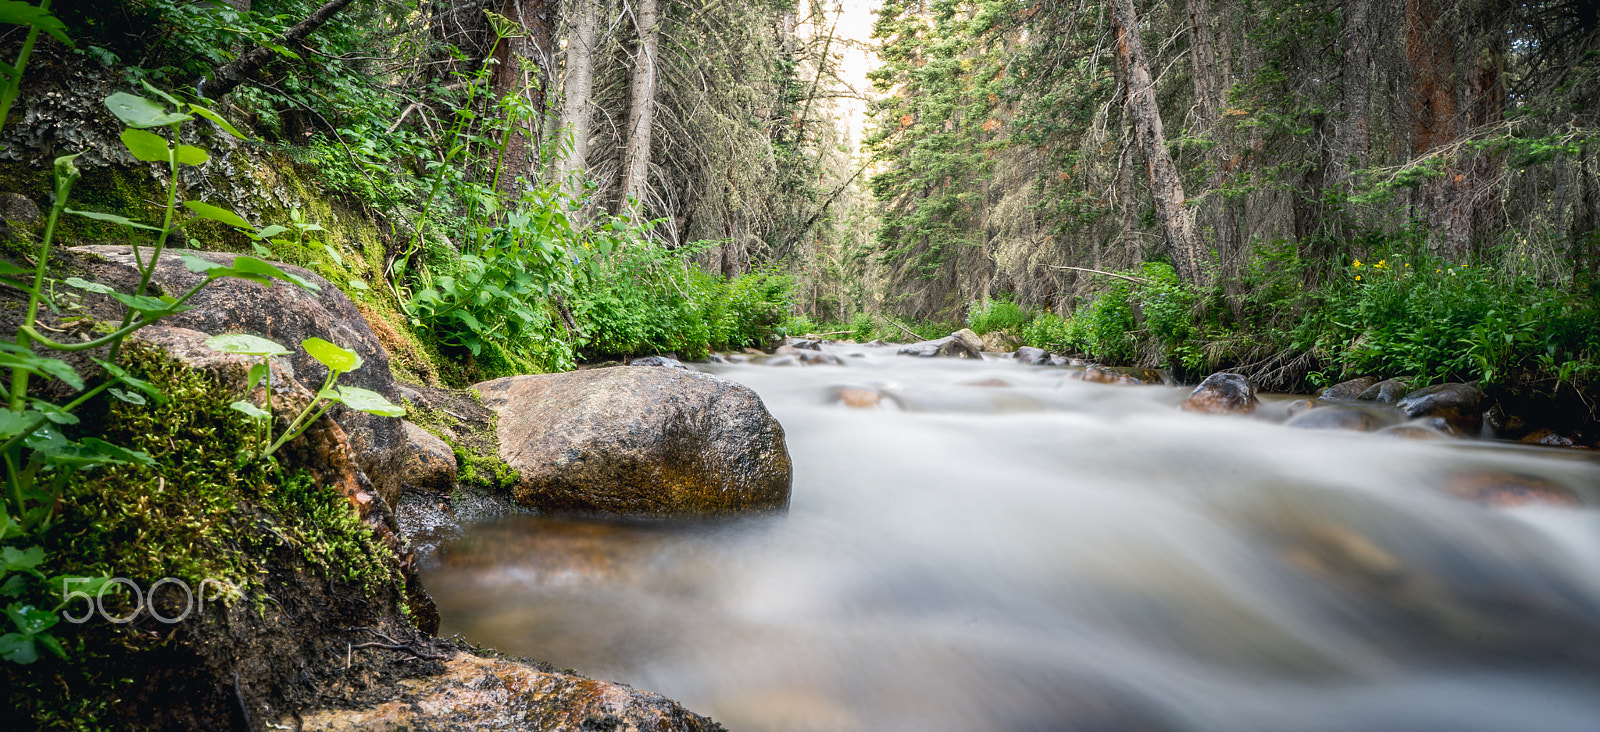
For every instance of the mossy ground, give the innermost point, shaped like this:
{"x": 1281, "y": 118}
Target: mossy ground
{"x": 197, "y": 514}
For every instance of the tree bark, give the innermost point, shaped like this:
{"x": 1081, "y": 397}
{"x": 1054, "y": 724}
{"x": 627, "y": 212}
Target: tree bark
{"x": 1166, "y": 187}
{"x": 1208, "y": 82}
{"x": 575, "y": 113}
{"x": 536, "y": 44}
{"x": 641, "y": 110}
{"x": 229, "y": 76}
{"x": 1356, "y": 93}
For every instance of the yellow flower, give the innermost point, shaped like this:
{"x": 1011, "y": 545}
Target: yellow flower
{"x": 1408, "y": 264}
{"x": 1358, "y": 263}
{"x": 1358, "y": 278}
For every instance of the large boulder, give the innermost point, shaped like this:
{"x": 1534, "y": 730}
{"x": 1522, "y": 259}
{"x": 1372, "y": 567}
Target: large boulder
{"x": 1338, "y": 417}
{"x": 1347, "y": 391}
{"x": 960, "y": 344}
{"x": 1222, "y": 393}
{"x": 288, "y": 314}
{"x": 496, "y": 693}
{"x": 1460, "y": 405}
{"x": 640, "y": 442}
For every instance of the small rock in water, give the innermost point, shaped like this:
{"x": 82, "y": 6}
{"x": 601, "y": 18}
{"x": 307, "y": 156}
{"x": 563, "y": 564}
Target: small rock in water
{"x": 986, "y": 382}
{"x": 1548, "y": 438}
{"x": 1122, "y": 375}
{"x": 1387, "y": 391}
{"x": 661, "y": 361}
{"x": 780, "y": 361}
{"x": 1346, "y": 391}
{"x": 1504, "y": 489}
{"x": 1031, "y": 356}
{"x": 1336, "y": 417}
{"x": 430, "y": 463}
{"x": 817, "y": 358}
{"x": 860, "y": 397}
{"x": 1222, "y": 393}
{"x": 809, "y": 345}
{"x": 960, "y": 344}
{"x": 1298, "y": 406}
{"x": 1460, "y": 405}
{"x": 1414, "y": 431}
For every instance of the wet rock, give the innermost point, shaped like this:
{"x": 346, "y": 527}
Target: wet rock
{"x": 430, "y": 463}
{"x": 1346, "y": 391}
{"x": 960, "y": 344}
{"x": 878, "y": 342}
{"x": 661, "y": 361}
{"x": 1414, "y": 431}
{"x": 640, "y": 442}
{"x": 987, "y": 382}
{"x": 815, "y": 358}
{"x": 860, "y": 397}
{"x": 500, "y": 693}
{"x": 780, "y": 361}
{"x": 1504, "y": 489}
{"x": 1294, "y": 408}
{"x": 288, "y": 314}
{"x": 1547, "y": 438}
{"x": 1122, "y": 375}
{"x": 1222, "y": 393}
{"x": 1461, "y": 405}
{"x": 1387, "y": 391}
{"x": 1336, "y": 417}
{"x": 1031, "y": 356}
{"x": 810, "y": 345}
{"x": 754, "y": 351}
{"x": 17, "y": 214}
{"x": 1063, "y": 362}
{"x": 999, "y": 341}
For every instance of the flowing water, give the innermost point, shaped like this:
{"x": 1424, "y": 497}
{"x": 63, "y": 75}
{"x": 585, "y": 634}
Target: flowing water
{"x": 1061, "y": 555}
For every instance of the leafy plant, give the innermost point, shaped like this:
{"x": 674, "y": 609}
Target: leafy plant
{"x": 338, "y": 360}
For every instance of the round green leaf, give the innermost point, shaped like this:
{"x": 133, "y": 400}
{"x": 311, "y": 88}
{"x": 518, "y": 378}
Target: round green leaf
{"x": 191, "y": 155}
{"x": 84, "y": 284}
{"x": 147, "y": 146}
{"x": 245, "y": 344}
{"x": 136, "y": 111}
{"x": 250, "y": 410}
{"x": 332, "y": 356}
{"x": 369, "y": 401}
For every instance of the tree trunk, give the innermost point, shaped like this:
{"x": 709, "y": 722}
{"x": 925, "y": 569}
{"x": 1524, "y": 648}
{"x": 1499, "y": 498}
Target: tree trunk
{"x": 575, "y": 112}
{"x": 641, "y": 110}
{"x": 1353, "y": 130}
{"x": 1208, "y": 82}
{"x": 1165, "y": 186}
{"x": 229, "y": 76}
{"x": 536, "y": 45}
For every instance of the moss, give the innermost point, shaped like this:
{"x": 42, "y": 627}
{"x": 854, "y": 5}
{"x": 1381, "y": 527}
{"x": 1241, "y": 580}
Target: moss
{"x": 196, "y": 514}
{"x": 478, "y": 462}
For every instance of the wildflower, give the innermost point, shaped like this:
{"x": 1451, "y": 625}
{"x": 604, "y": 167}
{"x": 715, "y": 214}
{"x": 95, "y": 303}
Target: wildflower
{"x": 1358, "y": 278}
{"x": 1408, "y": 264}
{"x": 1358, "y": 263}
{"x": 1382, "y": 264}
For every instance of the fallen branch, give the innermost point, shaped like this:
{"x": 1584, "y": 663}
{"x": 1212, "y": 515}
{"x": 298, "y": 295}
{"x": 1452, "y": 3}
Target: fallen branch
{"x": 908, "y": 331}
{"x": 230, "y": 75}
{"x": 1134, "y": 280}
{"x": 814, "y": 336}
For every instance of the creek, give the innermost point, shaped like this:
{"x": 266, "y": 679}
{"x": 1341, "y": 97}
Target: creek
{"x": 1062, "y": 555}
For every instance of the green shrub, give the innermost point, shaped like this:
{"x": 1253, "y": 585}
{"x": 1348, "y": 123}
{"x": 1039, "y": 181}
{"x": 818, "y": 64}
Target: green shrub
{"x": 988, "y": 316}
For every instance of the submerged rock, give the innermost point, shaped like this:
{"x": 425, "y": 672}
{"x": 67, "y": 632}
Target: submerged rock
{"x": 1031, "y": 356}
{"x": 960, "y": 344}
{"x": 1337, "y": 417}
{"x": 860, "y": 397}
{"x": 1460, "y": 405}
{"x": 430, "y": 463}
{"x": 1347, "y": 391}
{"x": 1387, "y": 391}
{"x": 499, "y": 693}
{"x": 1414, "y": 431}
{"x": 1222, "y": 393}
{"x": 1504, "y": 489}
{"x": 1548, "y": 438}
{"x": 1122, "y": 375}
{"x": 639, "y": 442}
{"x": 289, "y": 314}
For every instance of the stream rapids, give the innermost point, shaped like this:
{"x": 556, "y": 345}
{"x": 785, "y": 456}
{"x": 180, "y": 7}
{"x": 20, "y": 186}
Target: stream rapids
{"x": 1062, "y": 555}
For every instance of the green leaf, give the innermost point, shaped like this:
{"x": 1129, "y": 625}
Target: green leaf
{"x": 21, "y": 13}
{"x": 13, "y": 423}
{"x": 22, "y": 560}
{"x": 83, "y": 284}
{"x": 217, "y": 120}
{"x": 30, "y": 620}
{"x": 7, "y": 268}
{"x": 191, "y": 155}
{"x": 51, "y": 367}
{"x": 138, "y": 112}
{"x": 332, "y": 356}
{"x": 113, "y": 218}
{"x": 357, "y": 285}
{"x": 54, "y": 646}
{"x": 16, "y": 648}
{"x": 245, "y": 344}
{"x": 215, "y": 213}
{"x": 94, "y": 451}
{"x": 271, "y": 231}
{"x": 127, "y": 396}
{"x": 150, "y": 307}
{"x": 339, "y": 260}
{"x": 261, "y": 250}
{"x": 15, "y": 586}
{"x": 54, "y": 413}
{"x": 198, "y": 265}
{"x": 168, "y": 98}
{"x": 257, "y": 373}
{"x": 250, "y": 410}
{"x": 251, "y": 265}
{"x": 369, "y": 401}
{"x": 147, "y": 146}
